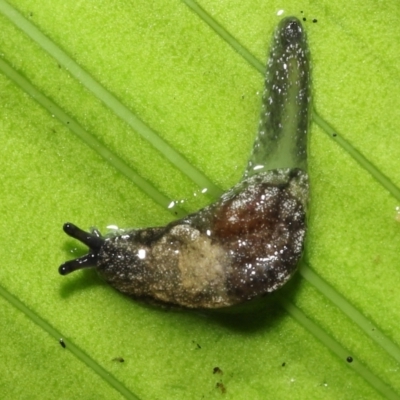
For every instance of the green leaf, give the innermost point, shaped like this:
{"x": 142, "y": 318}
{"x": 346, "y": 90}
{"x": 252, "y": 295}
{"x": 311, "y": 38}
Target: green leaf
{"x": 111, "y": 110}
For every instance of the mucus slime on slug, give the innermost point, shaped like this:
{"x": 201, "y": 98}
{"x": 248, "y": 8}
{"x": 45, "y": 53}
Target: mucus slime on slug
{"x": 246, "y": 244}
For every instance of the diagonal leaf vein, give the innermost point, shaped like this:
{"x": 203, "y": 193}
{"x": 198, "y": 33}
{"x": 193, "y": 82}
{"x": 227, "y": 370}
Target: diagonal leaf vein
{"x": 337, "y": 349}
{"x": 111, "y": 101}
{"x": 325, "y": 126}
{"x": 70, "y": 346}
{"x": 87, "y": 138}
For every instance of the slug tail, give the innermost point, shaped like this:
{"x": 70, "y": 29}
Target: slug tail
{"x": 286, "y": 108}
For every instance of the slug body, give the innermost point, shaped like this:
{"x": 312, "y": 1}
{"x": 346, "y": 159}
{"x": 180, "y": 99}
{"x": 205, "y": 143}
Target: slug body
{"x": 248, "y": 242}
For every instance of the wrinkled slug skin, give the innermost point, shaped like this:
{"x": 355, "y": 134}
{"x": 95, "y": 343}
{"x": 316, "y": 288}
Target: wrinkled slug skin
{"x": 246, "y": 244}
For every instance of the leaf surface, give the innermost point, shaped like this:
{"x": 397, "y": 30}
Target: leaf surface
{"x": 111, "y": 110}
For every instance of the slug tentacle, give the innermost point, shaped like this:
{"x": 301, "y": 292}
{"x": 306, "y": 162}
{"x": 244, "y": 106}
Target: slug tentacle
{"x": 93, "y": 240}
{"x": 246, "y": 244}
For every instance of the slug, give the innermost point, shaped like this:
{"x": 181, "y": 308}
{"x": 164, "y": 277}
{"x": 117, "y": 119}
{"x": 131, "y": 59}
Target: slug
{"x": 246, "y": 244}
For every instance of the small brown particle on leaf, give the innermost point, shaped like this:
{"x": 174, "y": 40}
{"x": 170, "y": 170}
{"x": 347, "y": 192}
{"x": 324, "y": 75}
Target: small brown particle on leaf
{"x": 197, "y": 345}
{"x": 217, "y": 370}
{"x": 221, "y": 387}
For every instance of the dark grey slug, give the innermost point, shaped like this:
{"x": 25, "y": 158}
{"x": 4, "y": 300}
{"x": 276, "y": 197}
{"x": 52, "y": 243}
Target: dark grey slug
{"x": 246, "y": 244}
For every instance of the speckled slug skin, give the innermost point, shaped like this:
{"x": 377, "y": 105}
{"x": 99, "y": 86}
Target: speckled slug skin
{"x": 246, "y": 244}
{"x": 286, "y": 109}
